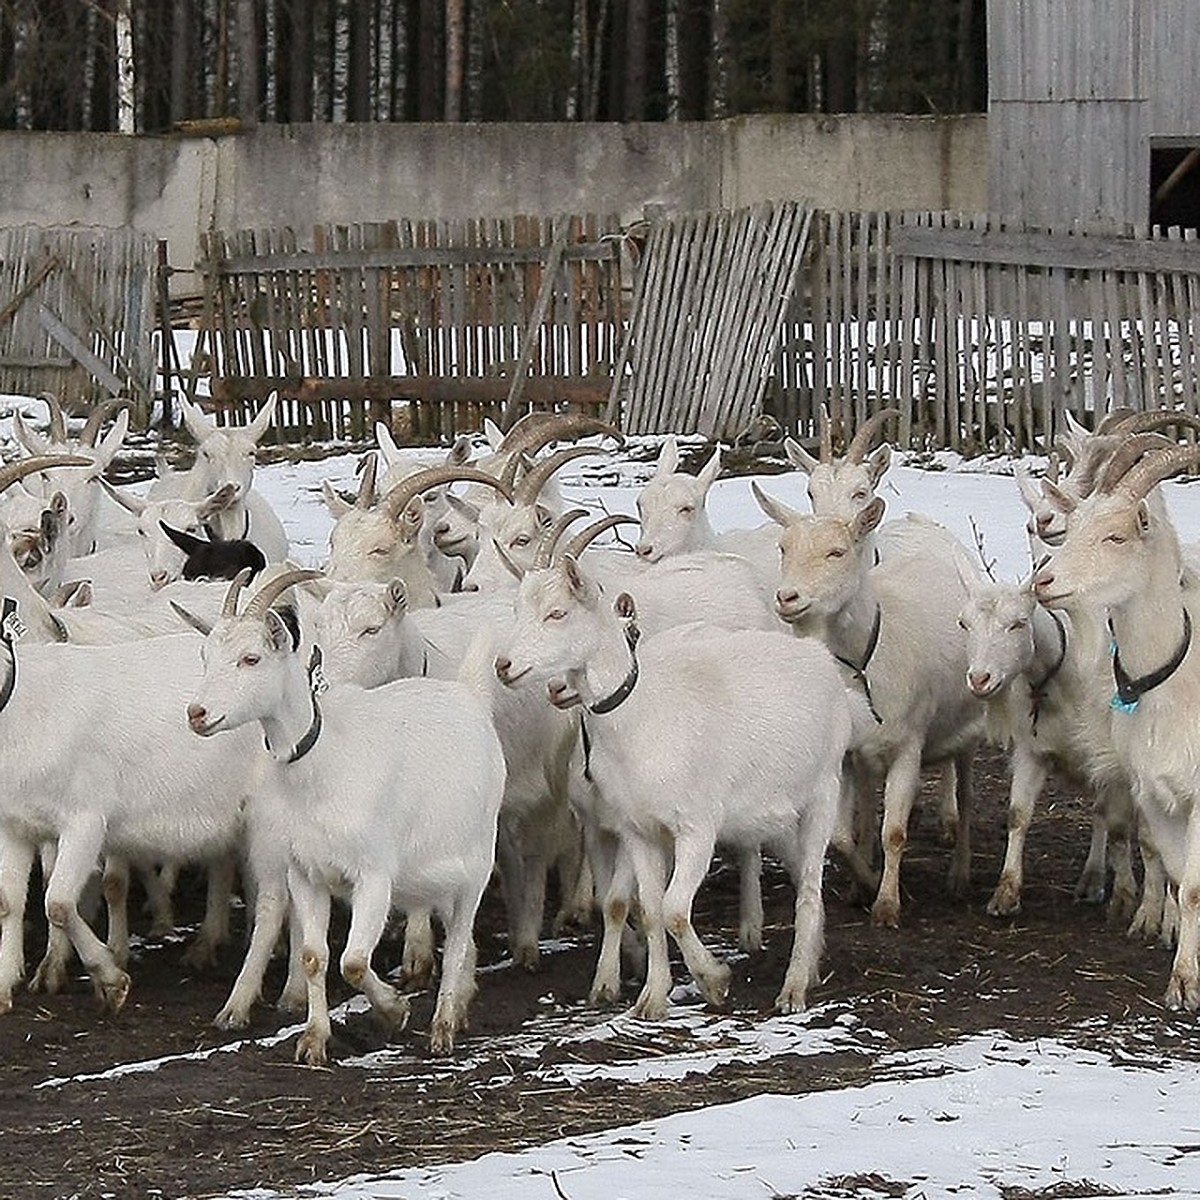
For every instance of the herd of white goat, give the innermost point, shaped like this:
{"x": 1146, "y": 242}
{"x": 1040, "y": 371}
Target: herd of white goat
{"x": 471, "y": 689}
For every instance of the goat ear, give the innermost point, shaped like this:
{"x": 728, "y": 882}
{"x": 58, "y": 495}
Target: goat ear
{"x": 278, "y": 633}
{"x": 397, "y": 596}
{"x": 545, "y": 518}
{"x": 799, "y": 457}
{"x": 337, "y": 506}
{"x": 668, "y": 457}
{"x": 878, "y": 462}
{"x": 112, "y": 441}
{"x": 580, "y": 585}
{"x": 262, "y": 418}
{"x": 775, "y": 509}
{"x": 212, "y": 533}
{"x": 711, "y": 469}
{"x": 624, "y": 607}
{"x": 511, "y": 567}
{"x": 49, "y": 527}
{"x": 197, "y": 623}
{"x": 198, "y": 424}
{"x": 869, "y": 518}
{"x": 492, "y": 432}
{"x": 460, "y": 452}
{"x": 184, "y": 540}
{"x": 386, "y": 443}
{"x": 1143, "y": 518}
{"x": 412, "y": 516}
{"x": 464, "y": 508}
{"x": 219, "y": 501}
{"x": 75, "y": 594}
{"x": 127, "y": 500}
{"x": 34, "y": 443}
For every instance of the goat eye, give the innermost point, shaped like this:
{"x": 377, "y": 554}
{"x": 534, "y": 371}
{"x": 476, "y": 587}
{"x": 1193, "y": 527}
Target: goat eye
{"x": 378, "y": 550}
{"x": 1016, "y": 625}
{"x": 556, "y": 614}
{"x": 370, "y": 631}
{"x": 962, "y": 624}
{"x": 687, "y": 510}
{"x": 836, "y": 552}
{"x": 522, "y": 539}
{"x": 859, "y": 495}
{"x": 249, "y": 660}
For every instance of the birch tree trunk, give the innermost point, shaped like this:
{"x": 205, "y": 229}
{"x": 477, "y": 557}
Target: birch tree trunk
{"x": 123, "y": 26}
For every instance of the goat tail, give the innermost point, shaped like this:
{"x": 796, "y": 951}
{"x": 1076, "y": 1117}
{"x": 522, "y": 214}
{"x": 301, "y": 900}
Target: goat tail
{"x": 477, "y": 671}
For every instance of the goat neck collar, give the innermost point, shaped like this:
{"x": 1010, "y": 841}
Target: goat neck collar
{"x": 1037, "y": 691}
{"x": 618, "y": 697}
{"x": 1130, "y": 691}
{"x": 316, "y": 685}
{"x": 859, "y": 670}
{"x": 11, "y": 629}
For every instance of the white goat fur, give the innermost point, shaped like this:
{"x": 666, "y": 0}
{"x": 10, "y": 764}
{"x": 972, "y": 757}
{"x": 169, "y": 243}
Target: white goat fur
{"x": 1122, "y": 554}
{"x": 917, "y": 675}
{"x": 731, "y": 736}
{"x": 396, "y": 804}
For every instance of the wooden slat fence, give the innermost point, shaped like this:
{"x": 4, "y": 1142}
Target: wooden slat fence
{"x": 429, "y": 325}
{"x": 706, "y": 318}
{"x": 983, "y": 336}
{"x": 77, "y": 314}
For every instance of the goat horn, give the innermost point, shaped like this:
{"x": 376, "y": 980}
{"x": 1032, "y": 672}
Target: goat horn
{"x": 826, "y": 451}
{"x": 42, "y": 462}
{"x": 368, "y": 495}
{"x": 229, "y": 607}
{"x": 399, "y": 497}
{"x": 861, "y": 442}
{"x": 549, "y": 540}
{"x": 585, "y": 537}
{"x": 1127, "y": 455}
{"x": 1115, "y": 421}
{"x": 1053, "y": 467}
{"x": 528, "y": 490}
{"x": 1158, "y": 418}
{"x": 274, "y": 588}
{"x": 515, "y": 462}
{"x": 535, "y": 430}
{"x": 1157, "y": 466}
{"x": 58, "y": 421}
{"x": 96, "y": 418}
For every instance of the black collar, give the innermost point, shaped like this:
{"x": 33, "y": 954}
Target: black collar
{"x": 859, "y": 670}
{"x": 316, "y": 685}
{"x": 1130, "y": 691}
{"x": 626, "y": 686}
{"x": 613, "y": 699}
{"x": 10, "y": 629}
{"x": 1037, "y": 691}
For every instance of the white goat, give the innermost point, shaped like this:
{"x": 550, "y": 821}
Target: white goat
{"x": 390, "y": 794}
{"x": 696, "y": 735}
{"x": 95, "y": 756}
{"x": 1122, "y": 554}
{"x": 1039, "y": 673}
{"x": 902, "y": 643}
{"x": 226, "y": 455}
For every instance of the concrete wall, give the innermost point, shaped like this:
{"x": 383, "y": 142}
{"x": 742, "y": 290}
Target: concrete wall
{"x": 176, "y": 187}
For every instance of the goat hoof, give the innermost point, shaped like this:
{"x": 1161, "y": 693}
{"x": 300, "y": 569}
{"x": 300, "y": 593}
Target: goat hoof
{"x": 231, "y": 1018}
{"x": 885, "y": 914}
{"x": 441, "y": 1036}
{"x": 1183, "y": 994}
{"x": 790, "y": 1000}
{"x": 50, "y": 977}
{"x": 1003, "y": 904}
{"x": 650, "y": 1008}
{"x": 114, "y": 992}
{"x": 310, "y": 1049}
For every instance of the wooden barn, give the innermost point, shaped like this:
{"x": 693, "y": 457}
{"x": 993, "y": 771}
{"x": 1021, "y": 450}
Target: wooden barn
{"x": 1094, "y": 113}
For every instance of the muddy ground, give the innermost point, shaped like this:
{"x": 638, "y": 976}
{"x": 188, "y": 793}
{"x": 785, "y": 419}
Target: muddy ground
{"x": 201, "y": 1125}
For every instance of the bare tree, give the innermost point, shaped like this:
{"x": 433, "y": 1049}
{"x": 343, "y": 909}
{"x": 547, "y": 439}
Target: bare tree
{"x": 455, "y": 52}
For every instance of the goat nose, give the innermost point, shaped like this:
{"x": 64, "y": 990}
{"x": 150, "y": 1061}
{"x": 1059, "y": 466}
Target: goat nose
{"x": 503, "y": 666}
{"x": 786, "y": 596}
{"x": 469, "y": 586}
{"x": 196, "y": 714}
{"x": 978, "y": 680}
{"x": 159, "y": 579}
{"x": 1042, "y": 580}
{"x": 644, "y": 550}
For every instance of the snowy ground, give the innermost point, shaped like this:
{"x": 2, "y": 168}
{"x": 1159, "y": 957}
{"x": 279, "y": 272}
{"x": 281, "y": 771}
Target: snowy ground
{"x": 985, "y": 1117}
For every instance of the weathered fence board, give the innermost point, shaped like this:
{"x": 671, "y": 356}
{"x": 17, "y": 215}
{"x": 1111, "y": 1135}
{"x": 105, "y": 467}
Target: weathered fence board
{"x": 428, "y": 325}
{"x": 77, "y": 314}
{"x": 983, "y": 336}
{"x": 706, "y": 319}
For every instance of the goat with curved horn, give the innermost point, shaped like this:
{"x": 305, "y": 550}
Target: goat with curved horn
{"x": 826, "y": 450}
{"x": 1127, "y": 455}
{"x": 368, "y": 494}
{"x": 536, "y": 430}
{"x": 43, "y": 462}
{"x": 527, "y": 491}
{"x": 398, "y": 498}
{"x": 1153, "y": 468}
{"x": 58, "y": 420}
{"x": 585, "y": 537}
{"x": 865, "y": 434}
{"x": 236, "y": 587}
{"x": 1149, "y": 421}
{"x": 550, "y": 539}
{"x": 274, "y": 588}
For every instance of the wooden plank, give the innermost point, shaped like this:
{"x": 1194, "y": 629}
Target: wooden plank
{"x": 431, "y": 253}
{"x": 75, "y": 347}
{"x": 1083, "y": 252}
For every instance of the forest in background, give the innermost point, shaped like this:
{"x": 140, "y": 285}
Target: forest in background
{"x": 155, "y": 65}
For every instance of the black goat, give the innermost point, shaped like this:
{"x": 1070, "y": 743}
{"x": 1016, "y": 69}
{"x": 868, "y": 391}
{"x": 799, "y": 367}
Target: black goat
{"x": 215, "y": 558}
